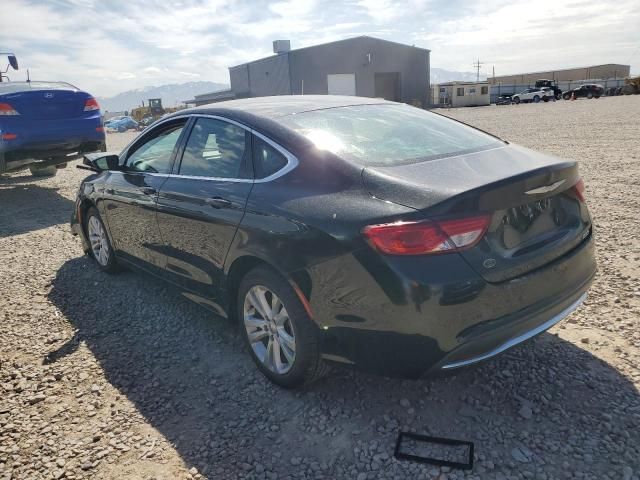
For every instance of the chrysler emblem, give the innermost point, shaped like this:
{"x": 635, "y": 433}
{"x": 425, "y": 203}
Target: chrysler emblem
{"x": 545, "y": 189}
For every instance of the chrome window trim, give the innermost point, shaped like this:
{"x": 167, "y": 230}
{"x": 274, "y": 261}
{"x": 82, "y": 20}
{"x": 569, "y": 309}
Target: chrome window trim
{"x": 292, "y": 161}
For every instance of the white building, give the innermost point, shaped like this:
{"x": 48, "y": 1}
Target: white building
{"x": 461, "y": 94}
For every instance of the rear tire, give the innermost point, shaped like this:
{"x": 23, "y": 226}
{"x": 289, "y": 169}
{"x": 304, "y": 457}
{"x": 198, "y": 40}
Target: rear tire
{"x": 566, "y": 96}
{"x": 589, "y": 95}
{"x": 49, "y": 171}
{"x": 99, "y": 244}
{"x": 536, "y": 99}
{"x": 516, "y": 100}
{"x": 545, "y": 99}
{"x": 286, "y": 325}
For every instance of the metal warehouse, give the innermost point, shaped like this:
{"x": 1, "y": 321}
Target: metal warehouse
{"x": 599, "y": 72}
{"x": 362, "y": 66}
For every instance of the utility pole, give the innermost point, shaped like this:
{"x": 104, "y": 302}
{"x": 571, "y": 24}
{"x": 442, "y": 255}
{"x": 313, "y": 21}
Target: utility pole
{"x": 477, "y": 67}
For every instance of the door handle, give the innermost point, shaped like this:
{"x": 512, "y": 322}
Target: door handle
{"x": 149, "y": 190}
{"x": 218, "y": 202}
{"x": 109, "y": 191}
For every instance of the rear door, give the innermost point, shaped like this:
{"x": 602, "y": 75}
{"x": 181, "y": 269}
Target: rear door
{"x": 202, "y": 203}
{"x": 131, "y": 195}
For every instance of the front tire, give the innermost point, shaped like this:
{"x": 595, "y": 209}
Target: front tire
{"x": 589, "y": 95}
{"x": 282, "y": 339}
{"x": 49, "y": 171}
{"x": 536, "y": 99}
{"x": 99, "y": 245}
{"x": 516, "y": 100}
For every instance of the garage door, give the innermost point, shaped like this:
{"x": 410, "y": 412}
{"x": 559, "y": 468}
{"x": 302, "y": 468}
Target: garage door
{"x": 341, "y": 84}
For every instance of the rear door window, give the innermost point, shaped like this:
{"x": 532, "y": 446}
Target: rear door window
{"x": 216, "y": 149}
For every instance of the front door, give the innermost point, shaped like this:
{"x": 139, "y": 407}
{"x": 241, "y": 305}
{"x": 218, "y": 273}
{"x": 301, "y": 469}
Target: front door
{"x": 200, "y": 207}
{"x": 131, "y": 195}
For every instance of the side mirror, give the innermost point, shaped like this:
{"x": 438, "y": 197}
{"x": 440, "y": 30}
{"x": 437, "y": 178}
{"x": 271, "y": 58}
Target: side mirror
{"x": 101, "y": 161}
{"x": 13, "y": 61}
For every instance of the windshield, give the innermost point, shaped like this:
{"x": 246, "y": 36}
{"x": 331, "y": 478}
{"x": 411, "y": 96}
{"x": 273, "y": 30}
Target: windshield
{"x": 387, "y": 135}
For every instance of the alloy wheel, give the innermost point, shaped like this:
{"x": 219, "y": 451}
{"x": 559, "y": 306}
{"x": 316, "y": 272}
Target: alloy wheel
{"x": 98, "y": 240}
{"x": 269, "y": 329}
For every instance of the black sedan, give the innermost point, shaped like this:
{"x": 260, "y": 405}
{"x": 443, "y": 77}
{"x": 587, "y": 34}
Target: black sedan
{"x": 346, "y": 230}
{"x": 589, "y": 90}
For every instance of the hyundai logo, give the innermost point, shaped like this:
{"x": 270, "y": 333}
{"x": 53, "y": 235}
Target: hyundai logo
{"x": 48, "y": 95}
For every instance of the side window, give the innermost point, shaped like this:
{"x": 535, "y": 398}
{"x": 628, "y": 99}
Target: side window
{"x": 155, "y": 154}
{"x": 460, "y": 91}
{"x": 215, "y": 149}
{"x": 266, "y": 159}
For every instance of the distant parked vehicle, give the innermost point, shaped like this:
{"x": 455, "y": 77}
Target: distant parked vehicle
{"x": 122, "y": 124}
{"x": 631, "y": 86}
{"x": 43, "y": 125}
{"x": 557, "y": 92}
{"x": 588, "y": 90}
{"x": 504, "y": 100}
{"x": 534, "y": 95}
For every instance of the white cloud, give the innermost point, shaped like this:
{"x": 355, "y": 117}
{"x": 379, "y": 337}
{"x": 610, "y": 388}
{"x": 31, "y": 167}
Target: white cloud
{"x": 107, "y": 47}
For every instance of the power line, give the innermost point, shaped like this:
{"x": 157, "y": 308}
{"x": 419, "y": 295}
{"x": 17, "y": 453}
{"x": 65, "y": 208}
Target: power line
{"x": 476, "y": 65}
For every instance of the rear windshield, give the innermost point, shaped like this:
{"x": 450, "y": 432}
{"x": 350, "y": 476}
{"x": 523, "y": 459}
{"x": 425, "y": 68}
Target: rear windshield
{"x": 15, "y": 87}
{"x": 386, "y": 135}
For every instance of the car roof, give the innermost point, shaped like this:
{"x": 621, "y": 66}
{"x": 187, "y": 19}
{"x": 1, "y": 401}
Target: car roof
{"x": 282, "y": 105}
{"x": 263, "y": 113}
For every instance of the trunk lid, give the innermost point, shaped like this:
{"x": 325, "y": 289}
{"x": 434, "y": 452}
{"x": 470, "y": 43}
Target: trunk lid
{"x": 536, "y": 214}
{"x": 50, "y": 104}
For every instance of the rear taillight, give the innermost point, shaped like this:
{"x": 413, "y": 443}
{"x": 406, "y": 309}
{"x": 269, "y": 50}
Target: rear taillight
{"x": 8, "y": 136}
{"x": 579, "y": 189}
{"x": 91, "y": 104}
{"x": 429, "y": 237}
{"x": 6, "y": 109}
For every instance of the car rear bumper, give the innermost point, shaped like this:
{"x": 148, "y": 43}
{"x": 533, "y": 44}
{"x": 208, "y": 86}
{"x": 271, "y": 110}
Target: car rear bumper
{"x": 407, "y": 318}
{"x": 51, "y": 139}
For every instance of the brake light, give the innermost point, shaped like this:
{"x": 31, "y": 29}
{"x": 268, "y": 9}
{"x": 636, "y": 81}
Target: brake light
{"x": 9, "y": 136}
{"x": 91, "y": 104}
{"x": 579, "y": 189}
{"x": 428, "y": 237}
{"x": 6, "y": 109}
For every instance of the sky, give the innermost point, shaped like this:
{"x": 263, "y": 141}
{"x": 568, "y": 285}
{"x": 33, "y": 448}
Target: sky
{"x": 109, "y": 46}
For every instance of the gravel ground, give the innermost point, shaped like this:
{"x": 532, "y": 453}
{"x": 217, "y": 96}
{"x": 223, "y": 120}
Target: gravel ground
{"x": 119, "y": 377}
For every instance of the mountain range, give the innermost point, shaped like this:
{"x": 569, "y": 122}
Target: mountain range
{"x": 440, "y": 75}
{"x": 177, "y": 93}
{"x": 171, "y": 95}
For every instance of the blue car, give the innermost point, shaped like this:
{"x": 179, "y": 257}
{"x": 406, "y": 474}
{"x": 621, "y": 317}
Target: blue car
{"x": 121, "y": 124}
{"x": 43, "y": 125}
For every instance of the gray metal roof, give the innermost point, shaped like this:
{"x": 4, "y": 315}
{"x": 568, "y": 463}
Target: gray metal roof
{"x": 331, "y": 43}
{"x": 279, "y": 106}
